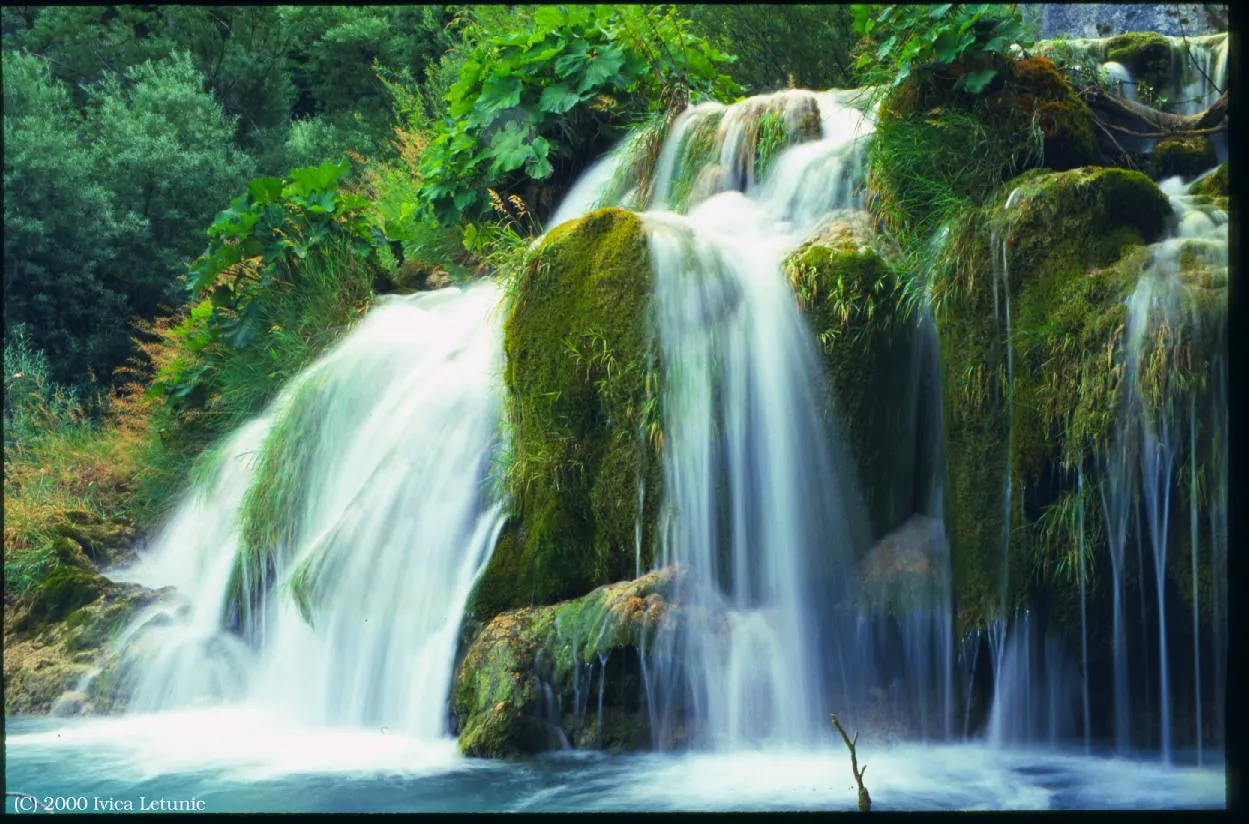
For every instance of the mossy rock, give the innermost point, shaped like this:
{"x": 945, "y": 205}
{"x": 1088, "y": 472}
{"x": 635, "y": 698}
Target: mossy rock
{"x": 849, "y": 297}
{"x": 937, "y": 150}
{"x": 498, "y": 698}
{"x": 1213, "y": 185}
{"x": 582, "y": 380}
{"x": 1184, "y": 156}
{"x": 42, "y": 665}
{"x": 1061, "y": 246}
{"x": 1065, "y": 120}
{"x": 908, "y": 569}
{"x": 1021, "y": 89}
{"x": 1146, "y": 55}
{"x": 103, "y": 540}
{"x": 64, "y": 590}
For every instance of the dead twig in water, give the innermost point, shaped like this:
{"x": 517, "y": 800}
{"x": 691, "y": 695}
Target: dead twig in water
{"x": 865, "y": 800}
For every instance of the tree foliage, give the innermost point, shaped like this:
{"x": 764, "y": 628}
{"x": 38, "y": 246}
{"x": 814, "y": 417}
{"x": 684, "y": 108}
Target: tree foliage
{"x": 904, "y": 37}
{"x": 64, "y": 231}
{"x": 801, "y": 46}
{"x": 536, "y": 99}
{"x": 272, "y": 243}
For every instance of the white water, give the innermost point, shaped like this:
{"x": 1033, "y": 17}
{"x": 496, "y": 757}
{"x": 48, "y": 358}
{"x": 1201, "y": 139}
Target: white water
{"x": 1140, "y": 471}
{"x": 757, "y": 504}
{"x": 398, "y": 422}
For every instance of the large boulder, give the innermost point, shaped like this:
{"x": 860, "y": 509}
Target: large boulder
{"x": 582, "y": 386}
{"x": 524, "y": 682}
{"x": 1056, "y": 250}
{"x": 879, "y": 364}
{"x": 907, "y": 569}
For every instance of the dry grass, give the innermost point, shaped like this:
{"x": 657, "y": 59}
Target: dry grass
{"x": 113, "y": 469}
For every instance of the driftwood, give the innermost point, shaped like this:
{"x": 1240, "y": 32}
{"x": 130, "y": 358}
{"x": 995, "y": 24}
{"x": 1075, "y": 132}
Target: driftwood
{"x": 1138, "y": 120}
{"x": 865, "y": 800}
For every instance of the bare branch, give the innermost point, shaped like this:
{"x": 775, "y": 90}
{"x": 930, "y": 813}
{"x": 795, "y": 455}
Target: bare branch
{"x": 865, "y": 800}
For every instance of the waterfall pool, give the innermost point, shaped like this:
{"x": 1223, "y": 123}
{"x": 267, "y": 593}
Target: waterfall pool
{"x": 238, "y": 761}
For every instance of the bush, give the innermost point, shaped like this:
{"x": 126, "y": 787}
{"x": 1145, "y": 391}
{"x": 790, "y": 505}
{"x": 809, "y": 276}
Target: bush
{"x": 540, "y": 100}
{"x": 288, "y": 265}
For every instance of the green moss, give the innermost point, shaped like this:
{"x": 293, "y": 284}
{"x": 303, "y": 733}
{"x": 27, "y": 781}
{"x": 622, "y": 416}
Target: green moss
{"x": 1064, "y": 119}
{"x": 273, "y": 506}
{"x": 772, "y": 137}
{"x": 1214, "y": 185}
{"x": 848, "y": 294}
{"x": 936, "y": 152}
{"x": 581, "y": 377}
{"x": 1146, "y": 55}
{"x": 497, "y": 695}
{"x": 695, "y": 156}
{"x": 1068, "y": 241}
{"x": 1185, "y": 156}
{"x": 66, "y": 589}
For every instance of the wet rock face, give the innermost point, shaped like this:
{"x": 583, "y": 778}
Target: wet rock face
{"x": 1107, "y": 20}
{"x": 67, "y": 666}
{"x": 531, "y": 680}
{"x": 909, "y": 567}
{"x": 580, "y": 370}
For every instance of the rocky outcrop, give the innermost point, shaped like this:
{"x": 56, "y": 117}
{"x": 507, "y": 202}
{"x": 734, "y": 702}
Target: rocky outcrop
{"x": 58, "y": 655}
{"x": 525, "y": 682}
{"x": 878, "y": 361}
{"x": 581, "y": 376}
{"x": 1107, "y": 19}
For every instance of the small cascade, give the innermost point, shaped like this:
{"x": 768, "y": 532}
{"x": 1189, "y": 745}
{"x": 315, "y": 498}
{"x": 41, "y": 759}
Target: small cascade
{"x": 359, "y": 497}
{"x": 1117, "y": 76}
{"x": 1194, "y": 545}
{"x": 1142, "y": 469}
{"x": 743, "y": 440}
{"x": 1087, "y": 717}
{"x": 1218, "y": 458}
{"x": 998, "y": 254}
{"x": 1034, "y": 697}
{"x": 969, "y": 656}
{"x": 594, "y": 188}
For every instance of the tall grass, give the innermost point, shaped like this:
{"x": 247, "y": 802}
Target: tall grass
{"x": 127, "y": 462}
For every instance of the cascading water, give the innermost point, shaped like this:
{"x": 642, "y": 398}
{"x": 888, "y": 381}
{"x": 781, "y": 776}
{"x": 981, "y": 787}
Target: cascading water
{"x": 344, "y": 611}
{"x": 357, "y": 624}
{"x": 744, "y": 443}
{"x": 1084, "y": 628}
{"x": 1142, "y": 465}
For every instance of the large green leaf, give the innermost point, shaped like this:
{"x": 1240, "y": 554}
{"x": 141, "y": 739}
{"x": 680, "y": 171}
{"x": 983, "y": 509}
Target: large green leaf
{"x": 946, "y": 47}
{"x": 558, "y": 98}
{"x": 511, "y": 148}
{"x": 460, "y": 94}
{"x": 265, "y": 189}
{"x": 499, "y": 93}
{"x": 605, "y": 66}
{"x": 315, "y": 178}
{"x": 975, "y": 82}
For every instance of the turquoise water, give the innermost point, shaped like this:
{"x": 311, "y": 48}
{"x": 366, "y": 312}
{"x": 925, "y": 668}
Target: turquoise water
{"x": 228, "y": 760}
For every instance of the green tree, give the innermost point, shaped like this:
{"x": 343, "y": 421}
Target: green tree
{"x": 808, "y": 46}
{"x": 163, "y": 146}
{"x": 242, "y": 51}
{"x": 62, "y": 231}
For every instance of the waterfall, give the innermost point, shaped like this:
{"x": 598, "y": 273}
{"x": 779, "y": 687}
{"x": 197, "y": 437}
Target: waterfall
{"x": 757, "y": 502}
{"x": 386, "y": 441}
{"x": 1084, "y": 629}
{"x": 1162, "y": 317}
